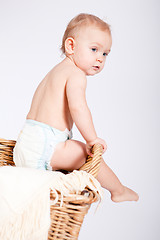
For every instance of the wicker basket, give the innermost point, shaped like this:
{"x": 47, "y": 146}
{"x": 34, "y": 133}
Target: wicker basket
{"x": 66, "y": 220}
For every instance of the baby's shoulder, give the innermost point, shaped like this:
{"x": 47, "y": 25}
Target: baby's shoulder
{"x": 65, "y": 72}
{"x": 76, "y": 80}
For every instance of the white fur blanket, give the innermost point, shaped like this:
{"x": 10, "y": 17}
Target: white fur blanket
{"x": 25, "y": 199}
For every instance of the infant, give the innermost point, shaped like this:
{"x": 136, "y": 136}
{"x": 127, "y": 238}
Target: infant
{"x": 45, "y": 141}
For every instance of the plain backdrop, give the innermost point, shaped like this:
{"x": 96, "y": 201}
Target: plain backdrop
{"x": 123, "y": 98}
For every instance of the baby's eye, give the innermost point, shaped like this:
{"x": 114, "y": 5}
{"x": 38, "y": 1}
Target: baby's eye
{"x": 94, "y": 49}
{"x": 105, "y": 54}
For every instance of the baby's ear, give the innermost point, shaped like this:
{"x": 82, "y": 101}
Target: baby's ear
{"x": 69, "y": 45}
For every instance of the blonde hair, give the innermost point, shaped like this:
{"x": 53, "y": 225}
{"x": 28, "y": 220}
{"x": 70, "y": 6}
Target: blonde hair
{"x": 80, "y": 21}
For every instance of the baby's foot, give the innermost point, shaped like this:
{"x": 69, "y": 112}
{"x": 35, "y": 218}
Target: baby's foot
{"x": 125, "y": 195}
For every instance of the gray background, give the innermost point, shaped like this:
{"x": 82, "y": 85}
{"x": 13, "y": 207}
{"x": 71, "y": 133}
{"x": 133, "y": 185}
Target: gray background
{"x": 123, "y": 98}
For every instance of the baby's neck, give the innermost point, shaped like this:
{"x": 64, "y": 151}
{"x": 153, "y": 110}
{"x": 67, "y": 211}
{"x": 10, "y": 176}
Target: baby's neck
{"x": 69, "y": 60}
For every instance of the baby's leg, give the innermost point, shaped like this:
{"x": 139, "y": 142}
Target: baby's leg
{"x": 110, "y": 181}
{"x": 69, "y": 155}
{"x": 72, "y": 155}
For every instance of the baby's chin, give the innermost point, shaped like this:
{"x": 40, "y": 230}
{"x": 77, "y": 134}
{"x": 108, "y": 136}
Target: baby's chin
{"x": 93, "y": 71}
{"x": 90, "y": 72}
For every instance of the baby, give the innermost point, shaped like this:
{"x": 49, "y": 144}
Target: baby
{"x": 45, "y": 141}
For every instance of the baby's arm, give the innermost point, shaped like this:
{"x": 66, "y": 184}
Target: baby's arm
{"x": 75, "y": 90}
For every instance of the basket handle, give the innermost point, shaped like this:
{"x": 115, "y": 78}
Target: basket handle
{"x": 92, "y": 164}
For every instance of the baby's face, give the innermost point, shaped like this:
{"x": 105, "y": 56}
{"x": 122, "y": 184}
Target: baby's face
{"x": 92, "y": 46}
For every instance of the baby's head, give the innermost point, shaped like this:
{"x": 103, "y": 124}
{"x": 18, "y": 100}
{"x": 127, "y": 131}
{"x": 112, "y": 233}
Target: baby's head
{"x": 87, "y": 41}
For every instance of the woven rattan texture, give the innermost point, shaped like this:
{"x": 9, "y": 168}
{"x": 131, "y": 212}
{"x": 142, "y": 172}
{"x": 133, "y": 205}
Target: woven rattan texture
{"x": 66, "y": 220}
{"x": 6, "y": 152}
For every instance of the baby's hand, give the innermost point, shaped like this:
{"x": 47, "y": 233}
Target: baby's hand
{"x": 90, "y": 144}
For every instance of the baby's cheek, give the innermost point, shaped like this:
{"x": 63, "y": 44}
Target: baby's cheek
{"x": 101, "y": 68}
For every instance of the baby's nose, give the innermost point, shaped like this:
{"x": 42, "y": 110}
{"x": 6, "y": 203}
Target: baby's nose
{"x": 99, "y": 59}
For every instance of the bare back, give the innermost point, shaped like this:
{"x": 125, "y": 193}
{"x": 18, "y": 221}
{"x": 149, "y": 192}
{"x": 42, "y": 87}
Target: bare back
{"x": 49, "y": 104}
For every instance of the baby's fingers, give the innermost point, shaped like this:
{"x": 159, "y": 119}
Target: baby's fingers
{"x": 104, "y": 147}
{"x": 89, "y": 152}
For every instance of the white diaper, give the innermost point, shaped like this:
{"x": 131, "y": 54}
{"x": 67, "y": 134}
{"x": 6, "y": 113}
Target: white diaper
{"x": 36, "y": 143}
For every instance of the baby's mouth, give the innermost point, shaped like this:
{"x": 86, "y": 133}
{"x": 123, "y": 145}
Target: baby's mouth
{"x": 96, "y": 68}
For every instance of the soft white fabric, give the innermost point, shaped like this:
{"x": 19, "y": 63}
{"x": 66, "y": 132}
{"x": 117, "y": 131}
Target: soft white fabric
{"x": 25, "y": 199}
